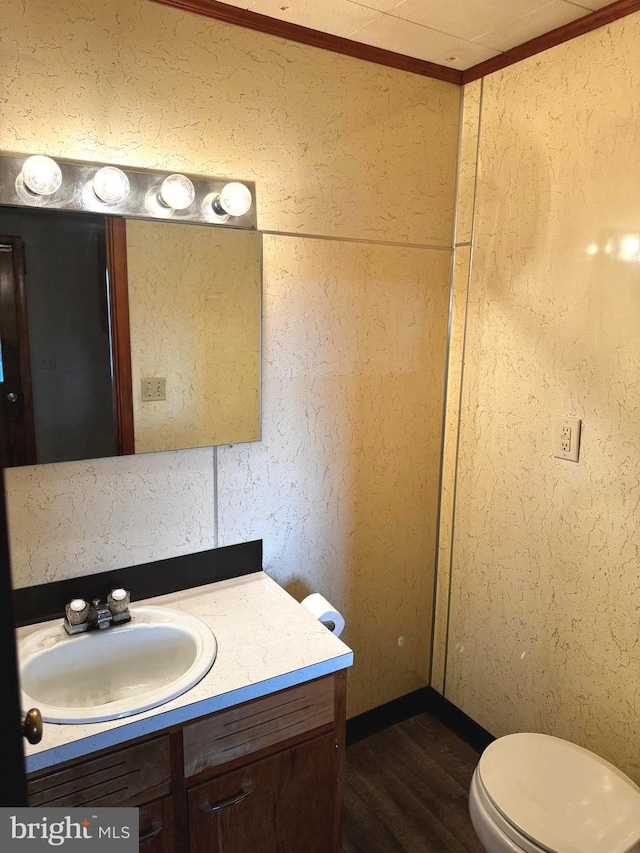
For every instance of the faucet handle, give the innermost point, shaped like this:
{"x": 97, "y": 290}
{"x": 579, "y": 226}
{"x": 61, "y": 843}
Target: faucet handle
{"x": 77, "y": 611}
{"x": 76, "y": 616}
{"x": 118, "y": 600}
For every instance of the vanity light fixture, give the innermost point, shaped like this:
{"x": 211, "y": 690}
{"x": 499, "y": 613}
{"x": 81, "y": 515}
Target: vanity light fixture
{"x": 41, "y": 175}
{"x": 39, "y": 181}
{"x": 110, "y": 185}
{"x": 234, "y": 199}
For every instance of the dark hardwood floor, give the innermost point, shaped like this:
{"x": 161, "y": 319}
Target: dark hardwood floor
{"x": 406, "y": 791}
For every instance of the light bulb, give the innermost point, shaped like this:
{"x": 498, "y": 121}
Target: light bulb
{"x": 111, "y": 185}
{"x": 177, "y": 192}
{"x": 234, "y": 199}
{"x": 154, "y": 204}
{"x": 41, "y": 175}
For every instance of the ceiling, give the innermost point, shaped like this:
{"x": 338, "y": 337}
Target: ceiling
{"x": 454, "y": 33}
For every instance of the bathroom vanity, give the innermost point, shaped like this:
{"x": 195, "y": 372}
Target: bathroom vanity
{"x": 249, "y": 759}
{"x": 264, "y": 775}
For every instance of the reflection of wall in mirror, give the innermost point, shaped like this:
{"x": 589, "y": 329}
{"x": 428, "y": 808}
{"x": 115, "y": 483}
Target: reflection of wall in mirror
{"x": 194, "y": 302}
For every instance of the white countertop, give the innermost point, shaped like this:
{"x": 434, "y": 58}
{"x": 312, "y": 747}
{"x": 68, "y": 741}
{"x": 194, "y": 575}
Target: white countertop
{"x": 266, "y": 642}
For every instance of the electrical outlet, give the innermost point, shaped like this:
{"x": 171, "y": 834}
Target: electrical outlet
{"x": 566, "y": 443}
{"x": 153, "y": 388}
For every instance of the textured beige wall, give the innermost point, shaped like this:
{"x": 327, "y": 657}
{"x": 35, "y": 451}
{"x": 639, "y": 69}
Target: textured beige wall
{"x": 194, "y": 317}
{"x": 76, "y": 518}
{"x": 343, "y": 487}
{"x": 333, "y": 144}
{"x": 545, "y": 592}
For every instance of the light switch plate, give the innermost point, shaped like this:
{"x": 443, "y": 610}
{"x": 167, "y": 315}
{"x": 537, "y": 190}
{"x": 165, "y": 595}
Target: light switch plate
{"x": 153, "y": 388}
{"x": 566, "y": 438}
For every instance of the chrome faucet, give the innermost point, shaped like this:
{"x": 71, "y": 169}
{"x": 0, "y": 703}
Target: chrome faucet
{"x": 99, "y": 615}
{"x": 80, "y": 617}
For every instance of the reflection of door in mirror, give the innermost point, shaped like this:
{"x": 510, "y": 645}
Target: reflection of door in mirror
{"x": 18, "y": 445}
{"x": 54, "y": 321}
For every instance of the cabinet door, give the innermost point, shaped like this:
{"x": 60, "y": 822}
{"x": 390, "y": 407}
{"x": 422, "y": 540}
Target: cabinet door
{"x": 156, "y": 827}
{"x": 283, "y": 804}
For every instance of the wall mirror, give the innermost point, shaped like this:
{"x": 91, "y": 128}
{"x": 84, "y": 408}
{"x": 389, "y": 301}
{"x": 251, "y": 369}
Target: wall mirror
{"x": 125, "y": 335}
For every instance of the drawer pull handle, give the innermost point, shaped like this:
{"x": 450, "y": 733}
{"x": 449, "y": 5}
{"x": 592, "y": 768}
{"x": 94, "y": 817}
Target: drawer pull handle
{"x": 156, "y": 829}
{"x": 232, "y": 801}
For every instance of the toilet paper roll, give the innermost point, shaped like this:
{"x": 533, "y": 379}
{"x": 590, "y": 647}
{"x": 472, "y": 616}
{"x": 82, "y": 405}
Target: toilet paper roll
{"x": 325, "y": 612}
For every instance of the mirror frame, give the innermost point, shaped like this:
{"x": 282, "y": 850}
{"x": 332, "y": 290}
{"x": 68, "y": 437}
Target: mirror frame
{"x": 118, "y": 289}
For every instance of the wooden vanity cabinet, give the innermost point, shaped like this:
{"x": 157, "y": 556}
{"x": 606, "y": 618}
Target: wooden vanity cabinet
{"x": 266, "y": 776}
{"x": 282, "y": 803}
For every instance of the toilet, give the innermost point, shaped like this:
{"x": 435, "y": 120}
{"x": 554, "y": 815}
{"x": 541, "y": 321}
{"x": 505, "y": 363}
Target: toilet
{"x": 539, "y": 794}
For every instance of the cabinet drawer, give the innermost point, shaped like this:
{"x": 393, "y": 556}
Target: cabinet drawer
{"x": 286, "y": 802}
{"x": 126, "y": 777}
{"x": 256, "y": 725}
{"x": 156, "y": 827}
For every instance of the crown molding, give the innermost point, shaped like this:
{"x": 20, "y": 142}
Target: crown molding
{"x": 599, "y": 18}
{"x": 315, "y": 38}
{"x": 357, "y": 50}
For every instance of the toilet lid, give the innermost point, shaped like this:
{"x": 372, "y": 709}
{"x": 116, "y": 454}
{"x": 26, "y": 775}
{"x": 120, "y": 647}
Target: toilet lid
{"x": 561, "y": 796}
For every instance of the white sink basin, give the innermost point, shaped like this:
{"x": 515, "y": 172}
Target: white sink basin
{"x": 112, "y": 673}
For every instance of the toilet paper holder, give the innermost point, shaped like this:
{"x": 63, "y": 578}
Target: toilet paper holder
{"x": 330, "y": 625}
